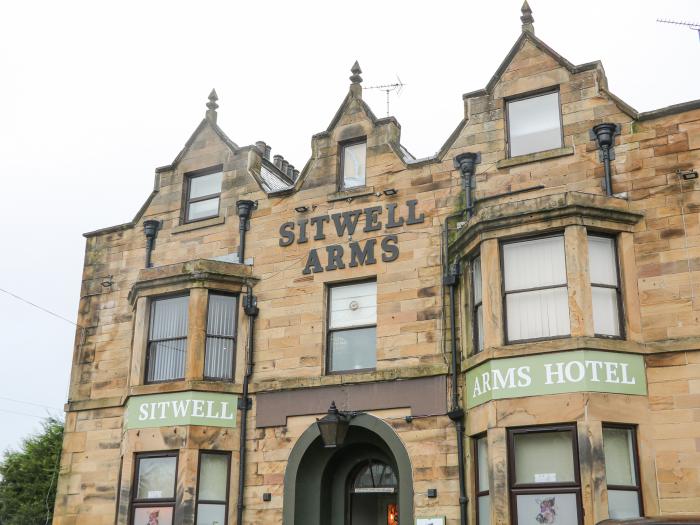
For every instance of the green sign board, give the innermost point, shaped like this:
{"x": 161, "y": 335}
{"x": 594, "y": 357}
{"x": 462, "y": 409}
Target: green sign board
{"x": 210, "y": 409}
{"x": 542, "y": 374}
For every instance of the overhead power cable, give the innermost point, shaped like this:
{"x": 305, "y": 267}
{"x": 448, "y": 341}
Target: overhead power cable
{"x": 46, "y": 310}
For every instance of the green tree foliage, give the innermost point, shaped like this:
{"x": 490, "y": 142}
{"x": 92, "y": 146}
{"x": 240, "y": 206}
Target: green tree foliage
{"x": 28, "y": 478}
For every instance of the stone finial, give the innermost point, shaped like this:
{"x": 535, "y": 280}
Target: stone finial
{"x": 355, "y": 70}
{"x": 212, "y": 106}
{"x": 527, "y": 18}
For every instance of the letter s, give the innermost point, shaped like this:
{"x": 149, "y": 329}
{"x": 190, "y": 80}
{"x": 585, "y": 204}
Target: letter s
{"x": 286, "y": 234}
{"x": 391, "y": 251}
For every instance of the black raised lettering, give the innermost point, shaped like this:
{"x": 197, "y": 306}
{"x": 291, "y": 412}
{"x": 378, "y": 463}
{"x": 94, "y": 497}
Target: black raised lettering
{"x": 392, "y": 222}
{"x": 412, "y": 213}
{"x": 318, "y": 222}
{"x": 346, "y": 221}
{"x": 286, "y": 234}
{"x": 390, "y": 251}
{"x": 372, "y": 223}
{"x": 312, "y": 263}
{"x": 361, "y": 256}
{"x": 302, "y": 231}
{"x": 335, "y": 257}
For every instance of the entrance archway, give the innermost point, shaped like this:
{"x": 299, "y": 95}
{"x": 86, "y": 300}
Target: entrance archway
{"x": 320, "y": 484}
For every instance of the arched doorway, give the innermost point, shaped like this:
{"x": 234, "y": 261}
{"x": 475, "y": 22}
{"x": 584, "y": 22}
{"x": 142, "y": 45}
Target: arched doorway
{"x": 366, "y": 481}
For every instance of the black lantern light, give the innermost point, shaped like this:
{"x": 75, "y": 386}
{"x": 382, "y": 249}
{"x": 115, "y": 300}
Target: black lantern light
{"x": 333, "y": 427}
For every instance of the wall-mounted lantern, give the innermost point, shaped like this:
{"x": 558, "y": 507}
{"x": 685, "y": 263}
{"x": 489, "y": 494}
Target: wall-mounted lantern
{"x": 334, "y": 427}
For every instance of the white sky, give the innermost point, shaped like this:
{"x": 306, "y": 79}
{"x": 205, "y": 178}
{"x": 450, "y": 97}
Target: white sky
{"x": 95, "y": 95}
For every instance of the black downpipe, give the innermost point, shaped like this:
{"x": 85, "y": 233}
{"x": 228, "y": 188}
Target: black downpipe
{"x": 150, "y": 230}
{"x": 466, "y": 164}
{"x": 245, "y": 208}
{"x": 604, "y": 135}
{"x": 250, "y": 307}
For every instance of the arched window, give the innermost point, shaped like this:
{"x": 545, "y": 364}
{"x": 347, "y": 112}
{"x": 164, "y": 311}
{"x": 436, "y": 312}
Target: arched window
{"x": 374, "y": 476}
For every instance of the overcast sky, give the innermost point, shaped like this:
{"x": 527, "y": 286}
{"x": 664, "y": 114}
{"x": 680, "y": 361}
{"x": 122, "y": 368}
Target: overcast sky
{"x": 95, "y": 95}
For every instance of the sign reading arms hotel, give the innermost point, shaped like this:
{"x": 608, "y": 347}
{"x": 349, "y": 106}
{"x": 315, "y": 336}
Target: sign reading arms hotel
{"x": 562, "y": 372}
{"x": 212, "y": 409}
{"x": 358, "y": 253}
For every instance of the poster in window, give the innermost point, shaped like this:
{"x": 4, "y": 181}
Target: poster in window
{"x": 547, "y": 509}
{"x": 438, "y": 520}
{"x": 153, "y": 516}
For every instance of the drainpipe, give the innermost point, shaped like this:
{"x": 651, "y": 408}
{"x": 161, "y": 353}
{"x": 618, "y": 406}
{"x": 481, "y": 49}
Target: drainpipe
{"x": 150, "y": 229}
{"x": 250, "y": 307}
{"x": 245, "y": 208}
{"x": 466, "y": 164}
{"x": 604, "y": 135}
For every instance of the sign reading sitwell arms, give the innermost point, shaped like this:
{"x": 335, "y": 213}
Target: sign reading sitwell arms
{"x": 541, "y": 374}
{"x": 211, "y": 409}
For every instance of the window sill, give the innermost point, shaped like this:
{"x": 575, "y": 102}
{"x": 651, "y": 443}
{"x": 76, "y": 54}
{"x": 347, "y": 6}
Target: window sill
{"x": 353, "y": 193}
{"x": 195, "y": 225}
{"x": 185, "y": 386}
{"x": 534, "y": 157}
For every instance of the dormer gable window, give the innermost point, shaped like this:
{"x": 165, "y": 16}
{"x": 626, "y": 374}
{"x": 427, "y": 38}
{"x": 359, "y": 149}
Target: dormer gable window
{"x": 534, "y": 124}
{"x": 353, "y": 164}
{"x": 203, "y": 194}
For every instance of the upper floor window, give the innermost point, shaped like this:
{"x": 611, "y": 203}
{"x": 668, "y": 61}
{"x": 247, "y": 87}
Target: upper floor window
{"x": 605, "y": 286}
{"x": 477, "y": 307}
{"x": 622, "y": 472}
{"x": 535, "y": 289}
{"x": 352, "y": 327}
{"x": 534, "y": 124}
{"x": 221, "y": 337}
{"x": 213, "y": 487}
{"x": 544, "y": 475}
{"x": 154, "y": 495}
{"x": 203, "y": 195}
{"x": 353, "y": 164}
{"x": 167, "y": 339}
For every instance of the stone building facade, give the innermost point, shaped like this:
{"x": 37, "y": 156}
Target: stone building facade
{"x": 509, "y": 328}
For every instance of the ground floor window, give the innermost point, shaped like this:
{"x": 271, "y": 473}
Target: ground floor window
{"x": 483, "y": 498}
{"x": 154, "y": 491}
{"x": 622, "y": 471}
{"x": 545, "y": 486}
{"x": 213, "y": 488}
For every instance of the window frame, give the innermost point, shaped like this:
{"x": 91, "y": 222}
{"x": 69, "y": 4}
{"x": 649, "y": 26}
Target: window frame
{"x": 479, "y": 493}
{"x": 236, "y": 297}
{"x": 474, "y": 305}
{"x": 189, "y": 176}
{"x": 525, "y": 96}
{"x": 329, "y": 330}
{"x": 341, "y": 169}
{"x": 515, "y": 489}
{"x": 198, "y": 501}
{"x": 635, "y": 444}
{"x": 135, "y": 503}
{"x": 618, "y": 288}
{"x": 504, "y": 293}
{"x": 151, "y": 302}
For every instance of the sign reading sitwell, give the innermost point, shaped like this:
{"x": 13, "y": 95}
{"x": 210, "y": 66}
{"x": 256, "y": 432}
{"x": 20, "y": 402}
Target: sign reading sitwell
{"x": 541, "y": 374}
{"x": 211, "y": 409}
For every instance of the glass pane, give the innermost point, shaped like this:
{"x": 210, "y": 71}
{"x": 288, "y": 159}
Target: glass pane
{"x": 623, "y": 504}
{"x": 484, "y": 503}
{"x": 483, "y": 463}
{"x": 542, "y": 313}
{"x": 547, "y": 509}
{"x": 353, "y": 349}
{"x": 213, "y": 473}
{"x": 480, "y": 328}
{"x": 153, "y": 516}
{"x": 606, "y": 318}
{"x": 208, "y": 514}
{"x": 601, "y": 256}
{"x": 544, "y": 457}
{"x": 618, "y": 444}
{"x": 169, "y": 318}
{"x": 534, "y": 263}
{"x": 534, "y": 124}
{"x": 166, "y": 360}
{"x": 156, "y": 478}
{"x": 353, "y": 305}
{"x": 202, "y": 209}
{"x": 218, "y": 359}
{"x": 205, "y": 185}
{"x": 221, "y": 315}
{"x": 476, "y": 279}
{"x": 354, "y": 159}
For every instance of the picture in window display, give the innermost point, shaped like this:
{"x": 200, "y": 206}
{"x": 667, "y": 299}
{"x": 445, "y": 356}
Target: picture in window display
{"x": 153, "y": 516}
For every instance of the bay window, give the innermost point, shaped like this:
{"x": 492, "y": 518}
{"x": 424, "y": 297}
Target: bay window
{"x": 477, "y": 306}
{"x": 213, "y": 488}
{"x": 352, "y": 326}
{"x": 221, "y": 340}
{"x": 483, "y": 498}
{"x": 622, "y": 471}
{"x": 167, "y": 339}
{"x": 605, "y": 286}
{"x": 536, "y": 300}
{"x": 544, "y": 477}
{"x": 153, "y": 499}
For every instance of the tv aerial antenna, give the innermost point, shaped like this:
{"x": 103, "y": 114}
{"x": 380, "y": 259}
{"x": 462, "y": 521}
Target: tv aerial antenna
{"x": 691, "y": 25}
{"x": 396, "y": 87}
